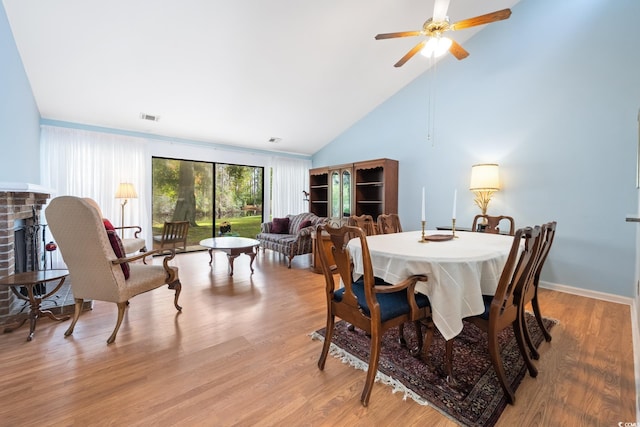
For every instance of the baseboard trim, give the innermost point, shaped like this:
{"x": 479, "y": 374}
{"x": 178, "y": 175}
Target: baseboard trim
{"x": 635, "y": 333}
{"x": 587, "y": 293}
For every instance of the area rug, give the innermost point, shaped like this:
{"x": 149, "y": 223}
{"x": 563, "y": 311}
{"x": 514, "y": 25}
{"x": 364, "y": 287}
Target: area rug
{"x": 475, "y": 400}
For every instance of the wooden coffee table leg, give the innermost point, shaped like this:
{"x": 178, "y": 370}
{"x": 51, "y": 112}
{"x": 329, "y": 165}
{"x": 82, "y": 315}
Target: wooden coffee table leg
{"x": 231, "y": 258}
{"x": 210, "y": 256}
{"x": 252, "y": 255}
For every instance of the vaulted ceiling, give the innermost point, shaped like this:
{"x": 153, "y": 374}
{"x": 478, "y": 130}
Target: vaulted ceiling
{"x": 230, "y": 72}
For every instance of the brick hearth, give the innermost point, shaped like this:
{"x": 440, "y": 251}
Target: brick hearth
{"x": 18, "y": 203}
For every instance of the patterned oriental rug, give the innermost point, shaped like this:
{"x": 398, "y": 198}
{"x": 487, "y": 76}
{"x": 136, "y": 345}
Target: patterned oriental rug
{"x": 475, "y": 400}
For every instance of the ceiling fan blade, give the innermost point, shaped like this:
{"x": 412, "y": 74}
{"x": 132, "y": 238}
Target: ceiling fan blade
{"x": 440, "y": 10}
{"x": 399, "y": 34}
{"x": 482, "y": 19}
{"x": 410, "y": 54}
{"x": 457, "y": 50}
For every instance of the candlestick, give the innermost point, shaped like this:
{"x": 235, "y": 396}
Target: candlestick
{"x": 423, "y": 217}
{"x": 455, "y": 197}
{"x": 423, "y": 238}
{"x": 453, "y": 227}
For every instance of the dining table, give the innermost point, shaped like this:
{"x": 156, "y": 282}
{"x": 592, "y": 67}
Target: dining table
{"x": 460, "y": 269}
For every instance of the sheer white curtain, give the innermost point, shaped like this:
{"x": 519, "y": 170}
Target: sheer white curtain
{"x": 290, "y": 179}
{"x": 83, "y": 163}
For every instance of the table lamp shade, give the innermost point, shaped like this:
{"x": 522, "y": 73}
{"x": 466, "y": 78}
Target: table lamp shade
{"x": 126, "y": 191}
{"x": 485, "y": 177}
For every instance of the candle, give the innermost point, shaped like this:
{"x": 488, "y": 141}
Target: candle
{"x": 455, "y": 196}
{"x": 423, "y": 203}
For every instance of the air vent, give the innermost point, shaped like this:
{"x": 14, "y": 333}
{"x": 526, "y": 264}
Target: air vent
{"x": 149, "y": 117}
{"x": 274, "y": 140}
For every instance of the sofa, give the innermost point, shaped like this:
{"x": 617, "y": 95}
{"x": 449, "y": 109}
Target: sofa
{"x": 290, "y": 235}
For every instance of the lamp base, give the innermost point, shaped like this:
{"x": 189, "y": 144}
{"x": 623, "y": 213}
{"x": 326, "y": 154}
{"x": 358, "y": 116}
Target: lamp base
{"x": 483, "y": 197}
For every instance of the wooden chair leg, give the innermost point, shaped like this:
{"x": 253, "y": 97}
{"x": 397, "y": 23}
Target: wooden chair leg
{"x": 76, "y": 315}
{"x": 374, "y": 358}
{"x": 328, "y": 335}
{"x": 426, "y": 344}
{"x": 518, "y": 331}
{"x": 496, "y": 360}
{"x": 178, "y": 288}
{"x": 536, "y": 312}
{"x": 448, "y": 361}
{"x": 533, "y": 351}
{"x": 419, "y": 337}
{"x": 401, "y": 339}
{"x": 121, "y": 308}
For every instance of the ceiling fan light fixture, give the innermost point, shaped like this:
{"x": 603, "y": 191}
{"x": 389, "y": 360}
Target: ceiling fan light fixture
{"x": 436, "y": 46}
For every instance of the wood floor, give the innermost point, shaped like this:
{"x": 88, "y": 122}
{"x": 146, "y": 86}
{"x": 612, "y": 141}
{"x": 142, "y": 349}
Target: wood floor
{"x": 240, "y": 354}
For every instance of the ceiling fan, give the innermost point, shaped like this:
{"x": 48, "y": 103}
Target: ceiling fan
{"x": 434, "y": 28}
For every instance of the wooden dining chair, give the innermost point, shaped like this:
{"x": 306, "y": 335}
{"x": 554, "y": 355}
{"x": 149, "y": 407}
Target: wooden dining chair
{"x": 389, "y": 223}
{"x": 492, "y": 224}
{"x": 530, "y": 290}
{"x": 368, "y": 303}
{"x": 365, "y": 222}
{"x": 504, "y": 308}
{"x": 174, "y": 234}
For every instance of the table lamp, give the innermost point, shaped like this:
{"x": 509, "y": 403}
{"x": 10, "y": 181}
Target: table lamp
{"x": 484, "y": 182}
{"x": 125, "y": 191}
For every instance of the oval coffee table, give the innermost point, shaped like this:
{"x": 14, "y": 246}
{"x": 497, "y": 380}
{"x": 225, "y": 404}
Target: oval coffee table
{"x": 233, "y": 247}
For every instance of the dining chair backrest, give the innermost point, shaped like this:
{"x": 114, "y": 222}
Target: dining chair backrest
{"x": 530, "y": 290}
{"x": 367, "y": 303}
{"x": 549, "y": 234}
{"x": 174, "y": 234}
{"x": 504, "y": 309}
{"x": 516, "y": 275}
{"x": 365, "y": 222}
{"x": 491, "y": 224}
{"x": 389, "y": 223}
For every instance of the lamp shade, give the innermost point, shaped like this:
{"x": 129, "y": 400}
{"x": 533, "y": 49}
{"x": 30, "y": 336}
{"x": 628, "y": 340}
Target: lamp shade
{"x": 126, "y": 191}
{"x": 485, "y": 177}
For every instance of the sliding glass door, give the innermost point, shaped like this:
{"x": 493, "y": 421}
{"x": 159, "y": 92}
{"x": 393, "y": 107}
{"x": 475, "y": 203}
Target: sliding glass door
{"x": 217, "y": 199}
{"x": 238, "y": 198}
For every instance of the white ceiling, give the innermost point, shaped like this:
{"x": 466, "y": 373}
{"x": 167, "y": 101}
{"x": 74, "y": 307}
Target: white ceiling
{"x": 234, "y": 72}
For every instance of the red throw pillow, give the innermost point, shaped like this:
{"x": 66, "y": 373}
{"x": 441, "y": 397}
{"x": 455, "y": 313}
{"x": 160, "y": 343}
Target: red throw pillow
{"x": 280, "y": 225}
{"x": 303, "y": 224}
{"x": 116, "y": 245}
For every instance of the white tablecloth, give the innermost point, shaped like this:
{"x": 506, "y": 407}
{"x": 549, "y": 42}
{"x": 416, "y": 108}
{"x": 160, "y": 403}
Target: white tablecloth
{"x": 460, "y": 271}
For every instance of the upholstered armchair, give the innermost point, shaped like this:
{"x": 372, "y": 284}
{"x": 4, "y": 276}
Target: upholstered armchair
{"x": 95, "y": 258}
{"x": 290, "y": 235}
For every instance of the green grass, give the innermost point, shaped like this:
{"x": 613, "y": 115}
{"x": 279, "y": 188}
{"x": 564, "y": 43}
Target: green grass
{"x": 246, "y": 226}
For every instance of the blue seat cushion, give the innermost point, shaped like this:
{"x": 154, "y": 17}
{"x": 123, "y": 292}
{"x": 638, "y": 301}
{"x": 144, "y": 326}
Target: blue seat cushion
{"x": 487, "y": 299}
{"x": 391, "y": 305}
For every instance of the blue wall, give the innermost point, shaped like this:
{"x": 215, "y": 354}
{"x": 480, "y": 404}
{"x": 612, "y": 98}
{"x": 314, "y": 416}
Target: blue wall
{"x": 19, "y": 116}
{"x": 551, "y": 98}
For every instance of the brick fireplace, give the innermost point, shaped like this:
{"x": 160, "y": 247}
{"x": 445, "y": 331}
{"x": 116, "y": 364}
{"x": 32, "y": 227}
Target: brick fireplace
{"x": 20, "y": 207}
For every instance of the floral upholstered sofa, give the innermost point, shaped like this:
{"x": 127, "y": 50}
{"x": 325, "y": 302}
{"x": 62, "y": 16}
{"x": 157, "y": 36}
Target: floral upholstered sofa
{"x": 290, "y": 235}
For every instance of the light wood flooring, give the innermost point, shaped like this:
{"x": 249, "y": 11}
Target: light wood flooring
{"x": 240, "y": 354}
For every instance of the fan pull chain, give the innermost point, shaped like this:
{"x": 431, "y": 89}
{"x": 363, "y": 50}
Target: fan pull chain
{"x": 431, "y": 109}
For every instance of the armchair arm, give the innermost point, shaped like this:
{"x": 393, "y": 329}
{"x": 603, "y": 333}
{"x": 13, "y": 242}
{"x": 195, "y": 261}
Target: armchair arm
{"x": 265, "y": 227}
{"x": 304, "y": 232}
{"x": 126, "y": 227}
{"x": 168, "y": 253}
{"x": 409, "y": 284}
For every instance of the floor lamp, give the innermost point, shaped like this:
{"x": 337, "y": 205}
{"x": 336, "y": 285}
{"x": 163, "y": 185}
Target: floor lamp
{"x": 125, "y": 191}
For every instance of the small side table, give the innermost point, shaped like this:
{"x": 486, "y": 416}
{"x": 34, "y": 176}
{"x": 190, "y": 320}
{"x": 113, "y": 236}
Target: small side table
{"x": 29, "y": 280}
